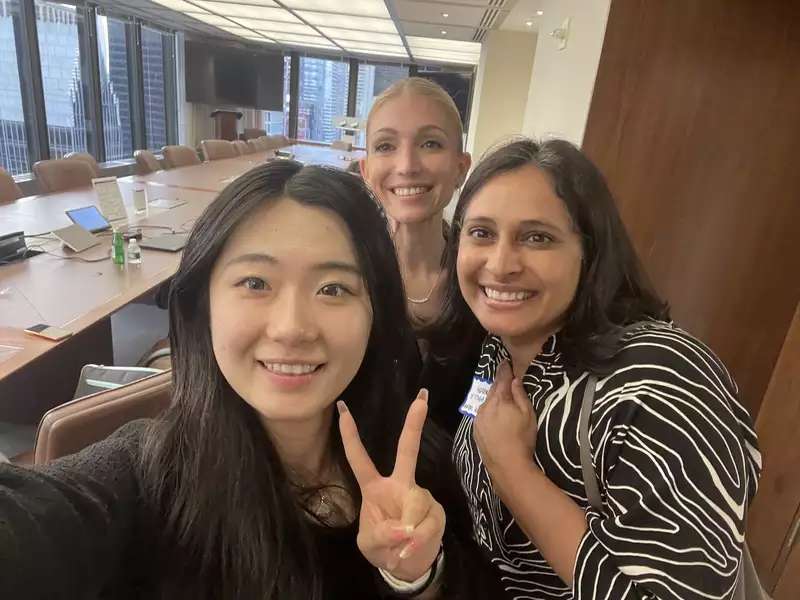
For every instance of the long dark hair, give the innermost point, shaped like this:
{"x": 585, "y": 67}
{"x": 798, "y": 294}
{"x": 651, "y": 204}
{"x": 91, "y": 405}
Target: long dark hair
{"x": 231, "y": 523}
{"x": 613, "y": 292}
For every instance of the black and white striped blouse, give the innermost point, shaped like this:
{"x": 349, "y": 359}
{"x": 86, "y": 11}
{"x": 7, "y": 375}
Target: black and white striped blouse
{"x": 677, "y": 463}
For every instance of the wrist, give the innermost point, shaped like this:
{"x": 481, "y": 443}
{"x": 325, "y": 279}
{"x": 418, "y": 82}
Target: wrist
{"x": 402, "y": 585}
{"x": 507, "y": 476}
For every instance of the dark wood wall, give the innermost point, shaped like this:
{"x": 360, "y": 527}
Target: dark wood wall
{"x": 695, "y": 120}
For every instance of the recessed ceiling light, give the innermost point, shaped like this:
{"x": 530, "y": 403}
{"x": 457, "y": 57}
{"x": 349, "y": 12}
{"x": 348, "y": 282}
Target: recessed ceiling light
{"x": 529, "y": 23}
{"x": 445, "y": 15}
{"x": 444, "y": 32}
{"x": 539, "y": 13}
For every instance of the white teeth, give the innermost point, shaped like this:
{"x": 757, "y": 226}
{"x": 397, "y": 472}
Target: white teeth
{"x": 284, "y": 369}
{"x": 410, "y": 191}
{"x": 506, "y": 296}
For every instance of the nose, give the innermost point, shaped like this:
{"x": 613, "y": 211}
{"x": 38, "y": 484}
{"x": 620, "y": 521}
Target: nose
{"x": 408, "y": 160}
{"x": 503, "y": 259}
{"x": 290, "y": 320}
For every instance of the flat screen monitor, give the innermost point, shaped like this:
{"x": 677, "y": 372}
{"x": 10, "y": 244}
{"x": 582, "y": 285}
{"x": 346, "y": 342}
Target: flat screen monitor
{"x": 221, "y": 75}
{"x": 89, "y": 217}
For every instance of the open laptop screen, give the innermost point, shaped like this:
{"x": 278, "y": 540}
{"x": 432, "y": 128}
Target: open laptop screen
{"x": 89, "y": 218}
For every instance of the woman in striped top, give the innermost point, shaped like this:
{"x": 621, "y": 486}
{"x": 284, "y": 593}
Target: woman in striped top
{"x": 540, "y": 269}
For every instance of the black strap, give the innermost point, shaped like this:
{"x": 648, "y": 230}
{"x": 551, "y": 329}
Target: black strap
{"x": 589, "y": 475}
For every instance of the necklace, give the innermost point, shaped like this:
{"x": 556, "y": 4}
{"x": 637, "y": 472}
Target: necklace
{"x": 428, "y": 296}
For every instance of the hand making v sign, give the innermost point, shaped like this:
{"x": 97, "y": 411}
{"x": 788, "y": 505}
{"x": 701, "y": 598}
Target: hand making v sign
{"x": 400, "y": 525}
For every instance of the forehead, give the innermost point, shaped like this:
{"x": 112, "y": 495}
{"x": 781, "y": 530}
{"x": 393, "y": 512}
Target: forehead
{"x": 292, "y": 232}
{"x": 524, "y": 194}
{"x": 409, "y": 112}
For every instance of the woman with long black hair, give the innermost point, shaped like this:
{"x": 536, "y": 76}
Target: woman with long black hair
{"x": 288, "y": 300}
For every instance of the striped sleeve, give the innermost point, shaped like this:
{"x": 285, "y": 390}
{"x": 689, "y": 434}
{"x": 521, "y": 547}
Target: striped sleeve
{"x": 678, "y": 463}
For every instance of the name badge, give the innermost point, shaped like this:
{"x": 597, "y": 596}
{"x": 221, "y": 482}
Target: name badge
{"x": 475, "y": 397}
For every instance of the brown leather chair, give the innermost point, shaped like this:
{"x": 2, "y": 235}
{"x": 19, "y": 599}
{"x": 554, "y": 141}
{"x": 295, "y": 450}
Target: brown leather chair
{"x": 218, "y": 149}
{"x": 73, "y": 426}
{"x": 146, "y": 162}
{"x": 87, "y": 158}
{"x": 251, "y": 134}
{"x": 341, "y": 145}
{"x": 9, "y": 190}
{"x": 179, "y": 156}
{"x": 60, "y": 175}
{"x": 242, "y": 147}
{"x": 285, "y": 141}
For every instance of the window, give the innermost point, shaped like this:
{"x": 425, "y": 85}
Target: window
{"x": 277, "y": 122}
{"x": 60, "y": 55}
{"x": 154, "y": 46}
{"x": 323, "y": 96}
{"x": 13, "y": 138}
{"x": 112, "y": 54}
{"x": 372, "y": 80}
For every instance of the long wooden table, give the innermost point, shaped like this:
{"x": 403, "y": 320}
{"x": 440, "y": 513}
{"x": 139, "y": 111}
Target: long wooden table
{"x": 77, "y": 295}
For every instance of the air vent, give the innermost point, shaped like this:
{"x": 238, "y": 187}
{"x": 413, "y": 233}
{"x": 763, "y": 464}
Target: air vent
{"x": 490, "y": 18}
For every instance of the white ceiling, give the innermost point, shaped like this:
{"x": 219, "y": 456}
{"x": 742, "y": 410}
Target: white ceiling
{"x": 409, "y": 30}
{"x": 522, "y": 13}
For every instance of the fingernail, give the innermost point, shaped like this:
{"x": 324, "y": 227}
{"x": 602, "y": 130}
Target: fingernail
{"x": 341, "y": 407}
{"x": 423, "y": 394}
{"x": 407, "y": 550}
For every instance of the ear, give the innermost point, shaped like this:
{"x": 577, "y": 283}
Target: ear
{"x": 464, "y": 163}
{"x": 362, "y": 166}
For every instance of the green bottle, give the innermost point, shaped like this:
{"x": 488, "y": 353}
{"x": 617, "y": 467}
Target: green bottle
{"x": 118, "y": 246}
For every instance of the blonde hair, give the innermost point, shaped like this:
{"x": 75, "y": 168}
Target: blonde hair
{"x": 421, "y": 87}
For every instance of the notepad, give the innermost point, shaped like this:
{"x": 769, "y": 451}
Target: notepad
{"x": 109, "y": 198}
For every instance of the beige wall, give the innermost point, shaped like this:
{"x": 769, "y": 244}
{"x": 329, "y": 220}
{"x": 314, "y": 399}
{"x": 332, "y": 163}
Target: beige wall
{"x": 563, "y": 80}
{"x": 501, "y": 88}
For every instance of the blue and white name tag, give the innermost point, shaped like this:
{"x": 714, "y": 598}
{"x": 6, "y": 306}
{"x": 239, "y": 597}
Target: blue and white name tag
{"x": 475, "y": 397}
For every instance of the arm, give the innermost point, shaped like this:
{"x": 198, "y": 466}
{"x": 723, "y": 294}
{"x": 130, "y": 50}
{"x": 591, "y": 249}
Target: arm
{"x": 65, "y": 526}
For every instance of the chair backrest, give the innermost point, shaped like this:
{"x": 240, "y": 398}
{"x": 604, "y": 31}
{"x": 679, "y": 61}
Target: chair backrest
{"x": 242, "y": 147}
{"x": 87, "y": 158}
{"x": 255, "y": 145}
{"x": 146, "y": 162}
{"x": 60, "y": 175}
{"x": 217, "y": 149}
{"x": 179, "y": 156}
{"x": 9, "y": 190}
{"x": 272, "y": 142}
{"x": 285, "y": 141}
{"x": 251, "y": 134}
{"x": 75, "y": 425}
{"x": 341, "y": 145}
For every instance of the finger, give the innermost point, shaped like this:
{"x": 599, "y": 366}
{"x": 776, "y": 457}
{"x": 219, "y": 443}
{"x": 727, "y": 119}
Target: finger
{"x": 431, "y": 528}
{"x": 390, "y": 534}
{"x": 360, "y": 462}
{"x": 520, "y": 396}
{"x": 417, "y": 504}
{"x": 405, "y": 464}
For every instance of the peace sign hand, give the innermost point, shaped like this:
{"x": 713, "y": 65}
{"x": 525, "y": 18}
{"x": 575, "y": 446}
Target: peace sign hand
{"x": 401, "y": 525}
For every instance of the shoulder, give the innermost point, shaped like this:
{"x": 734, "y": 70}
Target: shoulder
{"x": 655, "y": 350}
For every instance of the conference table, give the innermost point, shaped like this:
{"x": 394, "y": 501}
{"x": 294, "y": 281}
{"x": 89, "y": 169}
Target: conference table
{"x": 80, "y": 292}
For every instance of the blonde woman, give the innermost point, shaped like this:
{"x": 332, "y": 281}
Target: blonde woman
{"x": 415, "y": 162}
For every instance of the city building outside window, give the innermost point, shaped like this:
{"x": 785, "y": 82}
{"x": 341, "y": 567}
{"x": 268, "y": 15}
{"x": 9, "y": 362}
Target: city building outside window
{"x": 155, "y": 105}
{"x": 372, "y": 80}
{"x": 13, "y": 137}
{"x": 322, "y": 96}
{"x": 112, "y": 51}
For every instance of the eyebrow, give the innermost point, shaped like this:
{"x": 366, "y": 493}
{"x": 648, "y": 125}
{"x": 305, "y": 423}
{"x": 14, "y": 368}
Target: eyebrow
{"x": 525, "y": 223}
{"x": 391, "y": 131}
{"x": 330, "y": 265}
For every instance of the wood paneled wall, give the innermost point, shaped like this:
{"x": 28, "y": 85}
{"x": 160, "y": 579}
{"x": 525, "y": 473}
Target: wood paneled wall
{"x": 695, "y": 120}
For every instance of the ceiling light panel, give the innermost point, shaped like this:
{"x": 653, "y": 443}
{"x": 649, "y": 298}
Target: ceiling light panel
{"x": 366, "y": 8}
{"x": 299, "y": 39}
{"x": 446, "y": 56}
{"x": 248, "y": 11}
{"x": 276, "y": 26}
{"x": 256, "y": 3}
{"x": 179, "y": 5}
{"x": 440, "y": 44}
{"x": 349, "y": 22}
{"x": 361, "y": 36}
{"x": 211, "y": 19}
{"x": 370, "y": 46}
{"x": 402, "y": 54}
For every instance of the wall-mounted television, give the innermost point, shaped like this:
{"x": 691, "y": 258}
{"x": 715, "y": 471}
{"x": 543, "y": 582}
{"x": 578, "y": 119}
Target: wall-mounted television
{"x": 221, "y": 75}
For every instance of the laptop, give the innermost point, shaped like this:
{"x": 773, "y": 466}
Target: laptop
{"x": 89, "y": 217}
{"x": 171, "y": 242}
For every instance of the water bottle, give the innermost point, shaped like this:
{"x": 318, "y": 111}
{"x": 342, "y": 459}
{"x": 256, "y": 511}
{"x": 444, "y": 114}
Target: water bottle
{"x": 134, "y": 252}
{"x": 118, "y": 248}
